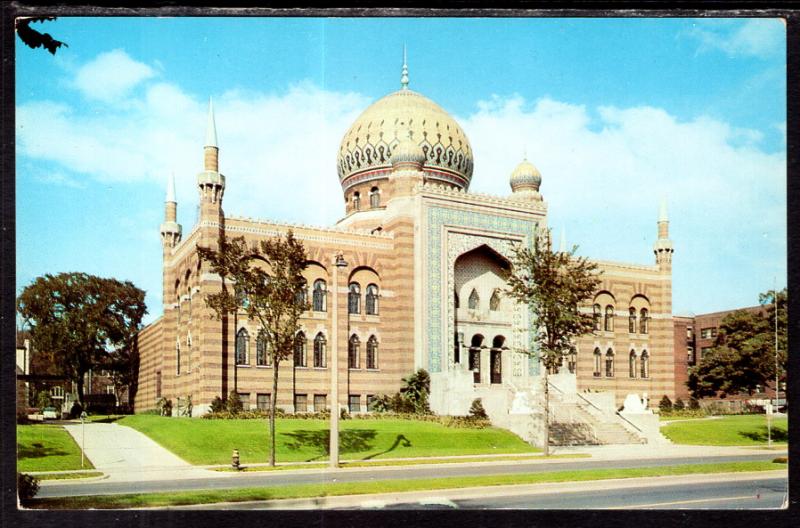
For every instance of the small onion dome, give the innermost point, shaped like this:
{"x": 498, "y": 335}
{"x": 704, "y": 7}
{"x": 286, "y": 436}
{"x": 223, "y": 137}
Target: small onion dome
{"x": 407, "y": 151}
{"x": 525, "y": 177}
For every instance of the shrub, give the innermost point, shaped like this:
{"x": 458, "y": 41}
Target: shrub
{"x": 344, "y": 414}
{"x": 165, "y": 407}
{"x": 234, "y": 403}
{"x": 781, "y": 460}
{"x": 665, "y": 405}
{"x": 382, "y": 403}
{"x": 678, "y": 405}
{"x": 27, "y": 487}
{"x": 217, "y": 405}
{"x": 76, "y": 410}
{"x": 415, "y": 391}
{"x": 694, "y": 405}
{"x": 476, "y": 410}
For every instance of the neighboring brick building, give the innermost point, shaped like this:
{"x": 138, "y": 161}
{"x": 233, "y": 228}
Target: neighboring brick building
{"x": 694, "y": 336}
{"x": 422, "y": 287}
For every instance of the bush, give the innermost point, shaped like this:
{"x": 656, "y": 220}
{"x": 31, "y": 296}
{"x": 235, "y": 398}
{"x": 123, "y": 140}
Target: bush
{"x": 76, "y": 410}
{"x": 217, "y": 405}
{"x": 382, "y": 403}
{"x": 27, "y": 487}
{"x": 665, "y": 405}
{"x": 234, "y": 404}
{"x": 694, "y": 405}
{"x": 476, "y": 410}
{"x": 678, "y": 406}
{"x": 781, "y": 460}
{"x": 415, "y": 391}
{"x": 165, "y": 407}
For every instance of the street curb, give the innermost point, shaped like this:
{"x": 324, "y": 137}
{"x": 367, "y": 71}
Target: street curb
{"x": 79, "y": 480}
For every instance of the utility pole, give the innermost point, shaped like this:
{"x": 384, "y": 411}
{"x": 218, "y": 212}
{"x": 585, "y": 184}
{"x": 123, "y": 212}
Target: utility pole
{"x": 338, "y": 262}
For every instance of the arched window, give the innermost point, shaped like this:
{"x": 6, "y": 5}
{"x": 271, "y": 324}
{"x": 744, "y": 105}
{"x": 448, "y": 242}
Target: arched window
{"x": 610, "y": 363}
{"x": 319, "y": 351}
{"x": 597, "y": 363}
{"x": 262, "y": 359}
{"x": 572, "y": 360}
{"x": 643, "y": 321}
{"x": 608, "y": 324}
{"x": 319, "y": 295}
{"x": 494, "y": 302}
{"x": 632, "y": 320}
{"x": 372, "y": 352}
{"x": 596, "y": 316}
{"x": 374, "y": 198}
{"x": 372, "y": 300}
{"x": 242, "y": 339}
{"x": 177, "y": 357}
{"x": 353, "y": 352}
{"x": 474, "y": 300}
{"x": 300, "y": 350}
{"x": 645, "y": 364}
{"x": 632, "y": 364}
{"x": 301, "y": 296}
{"x": 356, "y": 201}
{"x": 354, "y": 298}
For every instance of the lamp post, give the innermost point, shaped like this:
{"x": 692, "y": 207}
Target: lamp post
{"x": 338, "y": 262}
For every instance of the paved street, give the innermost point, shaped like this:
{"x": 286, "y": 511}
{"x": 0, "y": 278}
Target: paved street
{"x": 218, "y": 480}
{"x": 721, "y": 491}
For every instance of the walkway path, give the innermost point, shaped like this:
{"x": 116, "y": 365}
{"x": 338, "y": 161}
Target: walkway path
{"x": 126, "y": 454}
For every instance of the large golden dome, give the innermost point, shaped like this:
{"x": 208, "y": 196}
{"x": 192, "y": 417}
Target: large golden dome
{"x": 366, "y": 149}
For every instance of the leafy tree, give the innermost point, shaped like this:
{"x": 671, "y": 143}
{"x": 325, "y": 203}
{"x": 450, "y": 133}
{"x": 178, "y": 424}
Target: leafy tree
{"x": 744, "y": 353}
{"x": 34, "y": 39}
{"x": 82, "y": 322}
{"x": 665, "y": 405}
{"x": 269, "y": 277}
{"x": 553, "y": 285}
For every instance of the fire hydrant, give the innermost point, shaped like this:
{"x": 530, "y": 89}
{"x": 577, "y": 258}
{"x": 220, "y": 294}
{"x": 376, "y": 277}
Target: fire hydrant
{"x": 235, "y": 459}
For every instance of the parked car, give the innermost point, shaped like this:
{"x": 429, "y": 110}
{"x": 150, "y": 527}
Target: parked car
{"x": 49, "y": 413}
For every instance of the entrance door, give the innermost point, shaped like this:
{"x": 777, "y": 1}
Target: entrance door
{"x": 475, "y": 364}
{"x": 496, "y": 366}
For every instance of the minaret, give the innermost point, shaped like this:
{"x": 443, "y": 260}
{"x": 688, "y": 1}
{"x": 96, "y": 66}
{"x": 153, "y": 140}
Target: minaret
{"x": 170, "y": 229}
{"x": 663, "y": 247}
{"x": 210, "y": 182}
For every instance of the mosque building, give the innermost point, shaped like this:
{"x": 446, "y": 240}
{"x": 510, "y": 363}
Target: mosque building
{"x": 419, "y": 285}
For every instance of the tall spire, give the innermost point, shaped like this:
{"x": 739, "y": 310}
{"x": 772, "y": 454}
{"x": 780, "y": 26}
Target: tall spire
{"x": 211, "y": 127}
{"x": 171, "y": 189}
{"x": 404, "y": 74}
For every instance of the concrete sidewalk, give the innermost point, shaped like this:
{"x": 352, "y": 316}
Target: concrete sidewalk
{"x": 639, "y": 451}
{"x": 126, "y": 454}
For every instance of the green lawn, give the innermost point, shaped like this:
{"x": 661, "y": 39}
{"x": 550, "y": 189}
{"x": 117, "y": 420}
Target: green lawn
{"x": 204, "y": 442}
{"x": 385, "y": 486}
{"x": 43, "y": 447}
{"x": 740, "y": 430}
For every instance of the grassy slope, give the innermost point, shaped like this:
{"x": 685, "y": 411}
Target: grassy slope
{"x": 211, "y": 441}
{"x": 741, "y": 430}
{"x": 44, "y": 447}
{"x": 385, "y": 486}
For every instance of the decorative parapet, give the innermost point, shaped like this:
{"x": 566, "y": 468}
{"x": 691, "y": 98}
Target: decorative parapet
{"x": 625, "y": 265}
{"x": 325, "y": 229}
{"x": 481, "y": 198}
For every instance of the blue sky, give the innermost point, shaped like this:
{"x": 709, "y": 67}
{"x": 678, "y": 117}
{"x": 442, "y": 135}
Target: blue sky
{"x": 616, "y": 114}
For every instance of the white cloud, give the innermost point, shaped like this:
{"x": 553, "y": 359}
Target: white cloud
{"x": 111, "y": 75}
{"x": 758, "y": 37}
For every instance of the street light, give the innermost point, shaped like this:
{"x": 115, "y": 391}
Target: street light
{"x": 338, "y": 262}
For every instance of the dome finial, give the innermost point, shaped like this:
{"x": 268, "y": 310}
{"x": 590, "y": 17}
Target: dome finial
{"x": 404, "y": 74}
